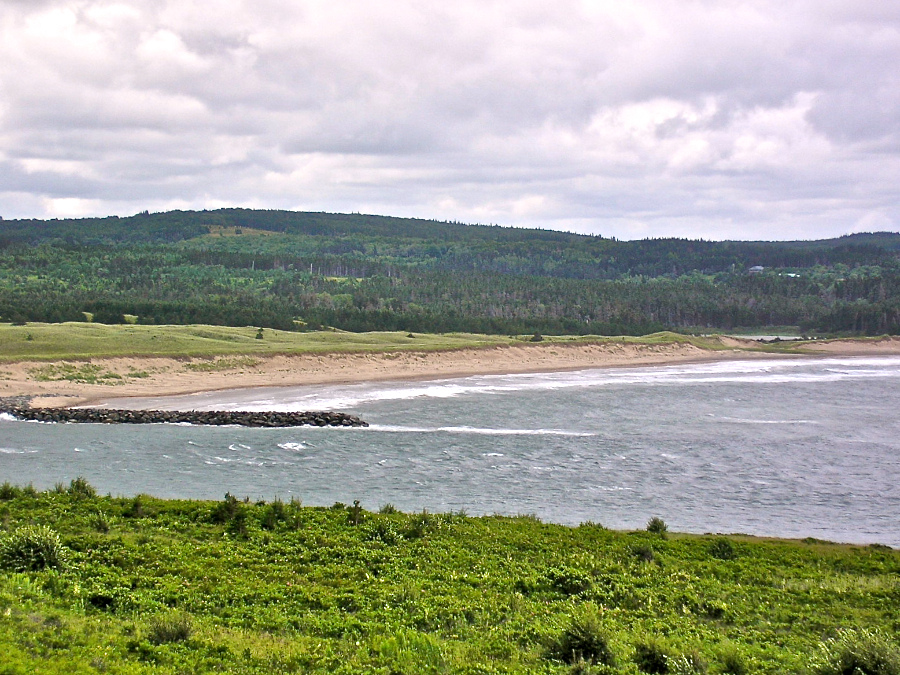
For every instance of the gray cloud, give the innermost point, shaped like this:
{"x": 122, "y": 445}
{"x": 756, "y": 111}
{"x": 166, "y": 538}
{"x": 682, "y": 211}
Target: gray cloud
{"x": 746, "y": 119}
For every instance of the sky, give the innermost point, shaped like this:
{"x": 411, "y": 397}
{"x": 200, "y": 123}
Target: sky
{"x": 745, "y": 119}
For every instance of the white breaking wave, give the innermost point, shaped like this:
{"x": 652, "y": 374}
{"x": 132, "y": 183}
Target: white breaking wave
{"x": 749, "y": 372}
{"x": 6, "y": 417}
{"x": 740, "y": 420}
{"x": 292, "y": 446}
{"x": 475, "y": 430}
{"x": 332, "y": 397}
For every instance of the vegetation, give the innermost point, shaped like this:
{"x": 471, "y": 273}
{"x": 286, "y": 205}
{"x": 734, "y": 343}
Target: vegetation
{"x": 301, "y": 271}
{"x": 171, "y": 586}
{"x": 217, "y": 348}
{"x": 231, "y": 345}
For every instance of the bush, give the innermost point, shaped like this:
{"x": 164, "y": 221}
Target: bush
{"x": 657, "y": 526}
{"x": 568, "y": 581}
{"x": 722, "y": 549}
{"x": 383, "y": 531}
{"x": 99, "y": 521}
{"x": 651, "y": 656}
{"x": 643, "y": 552}
{"x": 274, "y": 514}
{"x": 8, "y": 491}
{"x": 33, "y": 548}
{"x": 79, "y": 487}
{"x": 584, "y": 640}
{"x": 733, "y": 661}
{"x": 173, "y": 627}
{"x": 226, "y": 510}
{"x": 857, "y": 652}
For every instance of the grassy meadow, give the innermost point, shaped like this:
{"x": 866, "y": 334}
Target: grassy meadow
{"x": 46, "y": 341}
{"x": 93, "y": 584}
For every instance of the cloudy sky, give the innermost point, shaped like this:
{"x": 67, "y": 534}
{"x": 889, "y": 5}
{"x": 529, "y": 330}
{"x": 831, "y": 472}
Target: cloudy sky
{"x": 716, "y": 119}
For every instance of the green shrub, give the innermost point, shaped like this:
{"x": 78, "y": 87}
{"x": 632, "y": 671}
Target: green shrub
{"x": 568, "y": 581}
{"x": 79, "y": 487}
{"x": 274, "y": 514}
{"x": 356, "y": 513}
{"x": 722, "y": 549}
{"x": 171, "y": 627}
{"x": 657, "y": 526}
{"x": 8, "y": 491}
{"x": 135, "y": 509}
{"x": 419, "y": 525}
{"x": 383, "y": 531}
{"x": 99, "y": 521}
{"x": 33, "y": 548}
{"x": 732, "y": 660}
{"x": 857, "y": 652}
{"x": 226, "y": 510}
{"x": 388, "y": 509}
{"x": 584, "y": 639}
{"x": 643, "y": 552}
{"x": 651, "y": 656}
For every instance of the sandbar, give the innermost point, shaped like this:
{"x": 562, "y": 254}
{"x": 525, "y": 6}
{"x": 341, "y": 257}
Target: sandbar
{"x": 54, "y": 384}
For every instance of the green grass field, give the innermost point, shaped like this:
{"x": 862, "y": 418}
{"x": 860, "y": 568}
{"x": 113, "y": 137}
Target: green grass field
{"x": 37, "y": 341}
{"x": 142, "y": 585}
{"x": 89, "y": 340}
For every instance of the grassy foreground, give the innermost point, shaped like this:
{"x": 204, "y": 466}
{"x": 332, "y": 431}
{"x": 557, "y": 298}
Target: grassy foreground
{"x": 145, "y": 585}
{"x": 47, "y": 341}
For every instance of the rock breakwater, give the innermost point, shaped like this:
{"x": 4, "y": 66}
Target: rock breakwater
{"x": 213, "y": 418}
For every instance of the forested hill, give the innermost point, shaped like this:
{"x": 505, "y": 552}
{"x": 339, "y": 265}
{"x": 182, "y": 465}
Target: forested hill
{"x": 457, "y": 245}
{"x": 360, "y": 272}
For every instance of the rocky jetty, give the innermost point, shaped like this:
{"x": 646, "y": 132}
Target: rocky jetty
{"x": 218, "y": 418}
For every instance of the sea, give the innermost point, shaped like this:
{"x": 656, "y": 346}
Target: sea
{"x": 796, "y": 448}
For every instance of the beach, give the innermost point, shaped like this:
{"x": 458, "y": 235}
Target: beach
{"x": 67, "y": 383}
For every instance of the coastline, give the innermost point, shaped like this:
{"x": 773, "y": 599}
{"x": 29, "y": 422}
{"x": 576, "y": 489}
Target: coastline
{"x": 69, "y": 383}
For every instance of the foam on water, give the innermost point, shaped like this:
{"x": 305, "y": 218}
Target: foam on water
{"x": 292, "y": 446}
{"x": 739, "y": 420}
{"x": 475, "y": 430}
{"x": 755, "y": 372}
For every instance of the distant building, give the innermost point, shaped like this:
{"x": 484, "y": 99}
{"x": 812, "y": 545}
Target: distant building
{"x": 757, "y": 269}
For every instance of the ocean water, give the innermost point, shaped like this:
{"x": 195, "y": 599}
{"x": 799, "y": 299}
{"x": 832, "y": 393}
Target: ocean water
{"x": 790, "y": 448}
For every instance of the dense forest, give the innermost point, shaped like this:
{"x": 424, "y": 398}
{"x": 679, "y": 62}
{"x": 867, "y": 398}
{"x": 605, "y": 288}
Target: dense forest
{"x": 300, "y": 271}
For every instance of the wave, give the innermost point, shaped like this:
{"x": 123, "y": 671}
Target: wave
{"x": 475, "y": 430}
{"x": 747, "y": 372}
{"x": 741, "y": 420}
{"x": 353, "y": 396}
{"x": 292, "y": 446}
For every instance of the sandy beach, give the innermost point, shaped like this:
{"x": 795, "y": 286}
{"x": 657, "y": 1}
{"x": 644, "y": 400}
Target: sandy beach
{"x": 55, "y": 384}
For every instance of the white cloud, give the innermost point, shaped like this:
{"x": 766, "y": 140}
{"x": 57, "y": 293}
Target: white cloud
{"x": 740, "y": 118}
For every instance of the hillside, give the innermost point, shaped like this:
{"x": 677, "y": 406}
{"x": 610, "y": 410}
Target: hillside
{"x": 293, "y": 271}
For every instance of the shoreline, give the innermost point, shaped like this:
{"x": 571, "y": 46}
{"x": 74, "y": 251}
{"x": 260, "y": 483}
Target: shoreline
{"x": 67, "y": 383}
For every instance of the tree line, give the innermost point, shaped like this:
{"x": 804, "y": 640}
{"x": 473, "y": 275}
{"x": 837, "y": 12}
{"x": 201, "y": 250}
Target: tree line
{"x": 302, "y": 271}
